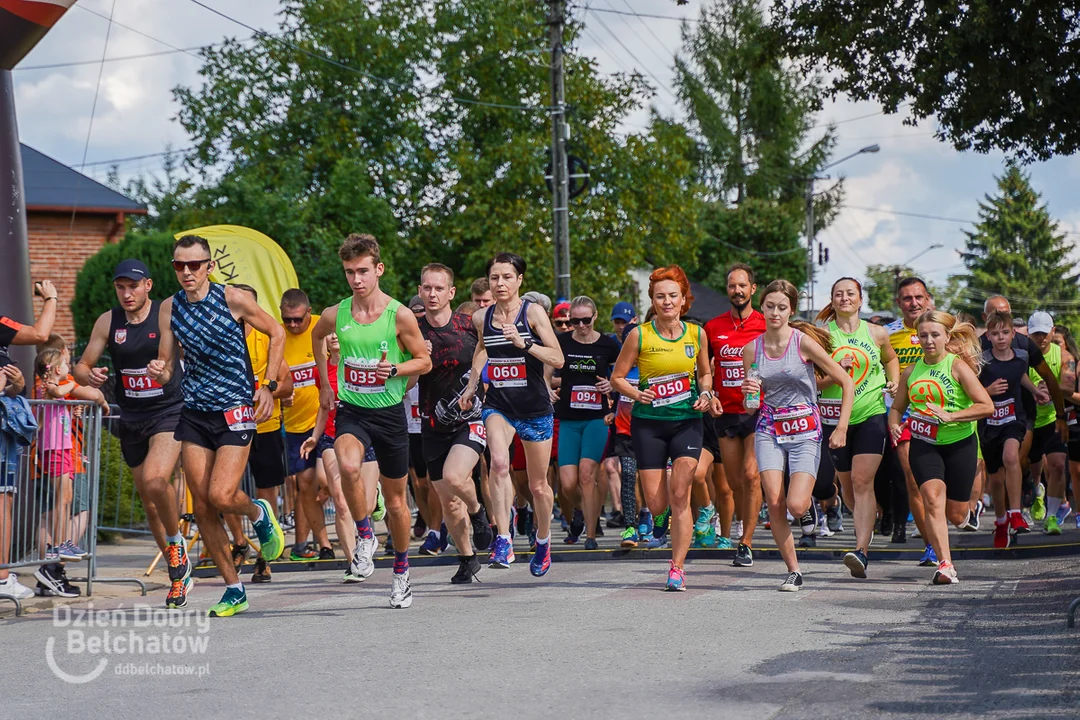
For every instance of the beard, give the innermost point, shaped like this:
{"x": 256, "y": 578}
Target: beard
{"x": 739, "y": 305}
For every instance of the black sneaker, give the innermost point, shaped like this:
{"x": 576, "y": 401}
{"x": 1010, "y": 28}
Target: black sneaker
{"x": 53, "y": 579}
{"x": 482, "y": 536}
{"x": 834, "y": 519}
{"x": 808, "y": 522}
{"x": 468, "y": 568}
{"x": 524, "y": 520}
{"x": 419, "y": 529}
{"x": 591, "y": 544}
{"x": 239, "y": 556}
{"x": 326, "y": 553}
{"x": 577, "y": 526}
{"x": 856, "y": 562}
{"x": 616, "y": 521}
{"x": 262, "y": 571}
{"x": 599, "y": 528}
{"x": 899, "y": 533}
{"x": 744, "y": 556}
{"x": 807, "y": 541}
{"x": 793, "y": 583}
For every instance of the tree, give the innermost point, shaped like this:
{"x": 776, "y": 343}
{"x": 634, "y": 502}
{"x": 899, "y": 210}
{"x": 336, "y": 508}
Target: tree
{"x": 1016, "y": 250}
{"x": 994, "y": 74}
{"x": 752, "y": 118}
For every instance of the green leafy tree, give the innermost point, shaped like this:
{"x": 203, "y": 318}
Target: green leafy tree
{"x": 994, "y": 74}
{"x": 1017, "y": 250}
{"x": 752, "y": 118}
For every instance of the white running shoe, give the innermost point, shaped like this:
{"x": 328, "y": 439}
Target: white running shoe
{"x": 823, "y": 527}
{"x": 363, "y": 563}
{"x": 736, "y": 530}
{"x": 401, "y": 593}
{"x": 11, "y": 586}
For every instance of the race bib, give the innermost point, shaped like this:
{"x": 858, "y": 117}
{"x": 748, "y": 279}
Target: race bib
{"x": 137, "y": 384}
{"x": 795, "y": 424}
{"x": 303, "y": 375}
{"x": 1070, "y": 415}
{"x": 478, "y": 433}
{"x": 923, "y": 427}
{"x": 670, "y": 389}
{"x": 1004, "y": 412}
{"x": 414, "y": 412}
{"x": 360, "y": 377}
{"x": 732, "y": 373}
{"x": 830, "y": 411}
{"x": 507, "y": 372}
{"x": 240, "y": 418}
{"x": 585, "y": 397}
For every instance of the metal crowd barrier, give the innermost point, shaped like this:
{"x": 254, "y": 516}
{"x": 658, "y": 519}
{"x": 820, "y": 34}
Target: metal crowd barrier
{"x": 49, "y": 512}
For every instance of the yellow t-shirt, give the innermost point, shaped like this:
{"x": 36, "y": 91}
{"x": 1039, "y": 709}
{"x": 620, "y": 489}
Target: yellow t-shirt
{"x": 300, "y": 418}
{"x": 669, "y": 369}
{"x": 905, "y": 341}
{"x": 259, "y": 351}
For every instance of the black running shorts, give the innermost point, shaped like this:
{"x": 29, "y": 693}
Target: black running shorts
{"x": 267, "y": 460}
{"x": 135, "y": 436}
{"x": 657, "y": 441}
{"x": 437, "y": 446}
{"x": 384, "y": 429}
{"x": 710, "y": 439}
{"x": 735, "y": 425}
{"x": 1046, "y": 441}
{"x": 954, "y": 464}
{"x": 210, "y": 430}
{"x": 416, "y": 455}
{"x": 866, "y": 438}
{"x": 992, "y": 439}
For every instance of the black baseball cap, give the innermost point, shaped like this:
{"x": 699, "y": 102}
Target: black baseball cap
{"x": 131, "y": 269}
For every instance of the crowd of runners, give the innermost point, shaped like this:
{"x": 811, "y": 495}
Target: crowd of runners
{"x": 505, "y": 416}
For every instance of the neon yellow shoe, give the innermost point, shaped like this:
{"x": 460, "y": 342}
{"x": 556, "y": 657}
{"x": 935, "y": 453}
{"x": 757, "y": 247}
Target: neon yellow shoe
{"x": 1051, "y": 525}
{"x": 271, "y": 538}
{"x": 380, "y": 507}
{"x": 1038, "y": 508}
{"x": 232, "y": 602}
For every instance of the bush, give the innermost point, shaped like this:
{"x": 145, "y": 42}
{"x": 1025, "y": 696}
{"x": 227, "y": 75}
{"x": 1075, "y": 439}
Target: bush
{"x": 119, "y": 504}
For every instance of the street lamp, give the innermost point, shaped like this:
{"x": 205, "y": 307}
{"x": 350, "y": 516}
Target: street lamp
{"x": 935, "y": 246}
{"x": 810, "y": 234}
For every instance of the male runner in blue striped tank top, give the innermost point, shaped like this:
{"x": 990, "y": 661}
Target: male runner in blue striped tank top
{"x": 221, "y": 406}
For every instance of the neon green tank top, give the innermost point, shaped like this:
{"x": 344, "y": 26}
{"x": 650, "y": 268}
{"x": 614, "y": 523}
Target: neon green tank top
{"x": 935, "y": 384}
{"x": 867, "y": 372}
{"x": 362, "y": 347}
{"x": 669, "y": 367}
{"x": 1047, "y": 414}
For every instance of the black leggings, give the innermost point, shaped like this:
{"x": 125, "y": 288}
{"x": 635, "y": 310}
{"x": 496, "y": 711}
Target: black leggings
{"x": 628, "y": 479}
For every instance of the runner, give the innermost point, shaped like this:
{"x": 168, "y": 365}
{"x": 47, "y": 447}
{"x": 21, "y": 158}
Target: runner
{"x": 728, "y": 334}
{"x": 864, "y": 351}
{"x": 300, "y": 409}
{"x": 481, "y": 292}
{"x": 674, "y": 388}
{"x": 946, "y": 399}
{"x": 581, "y": 406}
{"x": 1004, "y": 370}
{"x": 453, "y": 439}
{"x": 1049, "y": 440}
{"x": 148, "y": 412}
{"x": 218, "y": 421}
{"x": 381, "y": 347}
{"x": 789, "y": 423}
{"x": 516, "y": 342}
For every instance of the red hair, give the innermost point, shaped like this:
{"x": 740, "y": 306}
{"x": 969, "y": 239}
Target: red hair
{"x": 675, "y": 274}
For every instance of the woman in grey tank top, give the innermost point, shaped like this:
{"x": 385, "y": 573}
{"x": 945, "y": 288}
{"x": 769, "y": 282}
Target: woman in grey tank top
{"x": 789, "y": 425}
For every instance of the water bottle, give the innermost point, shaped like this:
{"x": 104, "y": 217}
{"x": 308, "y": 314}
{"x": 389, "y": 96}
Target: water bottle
{"x": 753, "y": 400}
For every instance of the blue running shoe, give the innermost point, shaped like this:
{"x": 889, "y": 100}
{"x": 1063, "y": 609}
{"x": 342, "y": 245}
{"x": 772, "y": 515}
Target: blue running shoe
{"x": 502, "y": 556}
{"x": 660, "y": 525}
{"x": 655, "y": 543}
{"x": 722, "y": 543}
{"x": 432, "y": 545}
{"x": 541, "y": 560}
{"x": 929, "y": 558}
{"x": 644, "y": 523}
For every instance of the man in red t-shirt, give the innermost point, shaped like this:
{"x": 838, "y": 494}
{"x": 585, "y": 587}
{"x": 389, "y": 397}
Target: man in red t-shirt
{"x": 732, "y": 426}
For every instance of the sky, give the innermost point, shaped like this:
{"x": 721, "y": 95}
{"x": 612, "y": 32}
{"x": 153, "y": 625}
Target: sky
{"x": 135, "y": 115}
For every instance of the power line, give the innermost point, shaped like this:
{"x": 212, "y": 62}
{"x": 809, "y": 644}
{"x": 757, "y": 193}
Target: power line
{"x": 137, "y": 32}
{"x": 924, "y": 216}
{"x": 613, "y": 11}
{"x": 760, "y": 253}
{"x": 629, "y": 52}
{"x": 122, "y": 58}
{"x": 659, "y": 43}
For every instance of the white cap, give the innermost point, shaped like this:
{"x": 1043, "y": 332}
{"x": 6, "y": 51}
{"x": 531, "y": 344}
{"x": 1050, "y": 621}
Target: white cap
{"x": 1040, "y": 322}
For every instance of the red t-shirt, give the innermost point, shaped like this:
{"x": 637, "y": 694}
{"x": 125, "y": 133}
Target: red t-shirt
{"x": 331, "y": 375}
{"x": 727, "y": 338}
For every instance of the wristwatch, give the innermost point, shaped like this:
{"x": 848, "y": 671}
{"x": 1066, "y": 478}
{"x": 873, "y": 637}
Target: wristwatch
{"x": 271, "y": 385}
{"x": 393, "y": 371}
{"x": 528, "y": 344}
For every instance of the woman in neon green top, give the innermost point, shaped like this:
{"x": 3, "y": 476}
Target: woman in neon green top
{"x": 946, "y": 398}
{"x": 865, "y": 352}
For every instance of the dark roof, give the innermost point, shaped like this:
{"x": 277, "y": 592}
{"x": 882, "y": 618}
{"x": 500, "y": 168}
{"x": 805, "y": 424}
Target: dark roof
{"x": 51, "y": 185}
{"x": 708, "y": 303}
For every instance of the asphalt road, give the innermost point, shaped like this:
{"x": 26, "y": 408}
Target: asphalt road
{"x": 592, "y": 640}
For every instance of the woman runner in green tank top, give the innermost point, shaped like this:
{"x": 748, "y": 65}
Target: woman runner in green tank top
{"x": 946, "y": 398}
{"x": 865, "y": 352}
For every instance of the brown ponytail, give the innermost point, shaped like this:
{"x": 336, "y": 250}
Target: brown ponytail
{"x": 963, "y": 337}
{"x": 828, "y": 313}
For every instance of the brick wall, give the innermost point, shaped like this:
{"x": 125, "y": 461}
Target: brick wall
{"x": 58, "y": 251}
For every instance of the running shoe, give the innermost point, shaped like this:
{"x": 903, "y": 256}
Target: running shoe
{"x": 704, "y": 520}
{"x": 419, "y": 528}
{"x": 823, "y": 527}
{"x": 676, "y": 578}
{"x": 929, "y": 557}
{"x": 177, "y": 597}
{"x": 616, "y": 520}
{"x": 577, "y": 526}
{"x": 261, "y": 573}
{"x": 744, "y": 556}
{"x": 468, "y": 569}
{"x": 1051, "y": 525}
{"x": 401, "y": 591}
{"x": 660, "y": 525}
{"x": 12, "y": 587}
{"x": 71, "y": 552}
{"x": 363, "y": 563}
{"x": 645, "y": 523}
{"x": 736, "y": 530}
{"x": 350, "y": 578}
{"x": 432, "y": 545}
{"x": 591, "y": 544}
{"x": 793, "y": 582}
{"x": 1002, "y": 537}
{"x": 809, "y": 520}
{"x": 240, "y": 555}
{"x": 523, "y": 520}
{"x": 288, "y": 521}
{"x": 179, "y": 564}
{"x": 807, "y": 541}
{"x": 502, "y": 555}
{"x": 629, "y": 538}
{"x": 53, "y": 578}
{"x": 599, "y": 528}
{"x": 1038, "y": 508}
{"x": 856, "y": 562}
{"x": 380, "y": 506}
{"x": 541, "y": 560}
{"x": 271, "y": 538}
{"x": 899, "y": 533}
{"x": 482, "y": 535}
{"x": 946, "y": 574}
{"x": 834, "y": 519}
{"x": 300, "y": 553}
{"x": 1017, "y": 524}
{"x": 656, "y": 543}
{"x": 970, "y": 525}
{"x": 326, "y": 553}
{"x": 232, "y": 602}
{"x": 1063, "y": 513}
{"x": 52, "y": 554}
{"x": 723, "y": 543}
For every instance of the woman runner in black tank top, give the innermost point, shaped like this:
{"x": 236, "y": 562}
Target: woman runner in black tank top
{"x": 516, "y": 341}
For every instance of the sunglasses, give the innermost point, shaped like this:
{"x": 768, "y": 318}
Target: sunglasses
{"x": 293, "y": 320}
{"x": 191, "y": 265}
{"x": 580, "y": 321}
{"x": 562, "y": 323}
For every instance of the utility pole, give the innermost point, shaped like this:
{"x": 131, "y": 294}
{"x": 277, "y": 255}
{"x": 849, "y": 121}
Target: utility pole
{"x": 810, "y": 247}
{"x": 560, "y": 173}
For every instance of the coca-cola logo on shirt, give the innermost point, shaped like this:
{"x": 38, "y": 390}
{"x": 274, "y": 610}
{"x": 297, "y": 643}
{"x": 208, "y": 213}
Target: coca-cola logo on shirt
{"x": 728, "y": 352}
